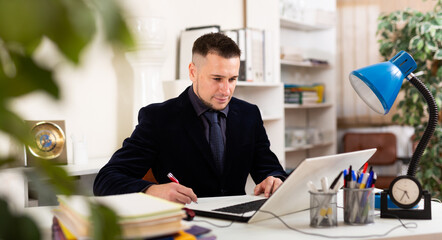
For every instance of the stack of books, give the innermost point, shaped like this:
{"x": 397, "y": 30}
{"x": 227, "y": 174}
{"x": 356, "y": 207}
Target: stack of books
{"x": 303, "y": 94}
{"x": 140, "y": 215}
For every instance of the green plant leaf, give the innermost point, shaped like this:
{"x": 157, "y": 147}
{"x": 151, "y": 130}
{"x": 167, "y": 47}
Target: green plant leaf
{"x": 105, "y": 223}
{"x": 438, "y": 35}
{"x": 420, "y": 56}
{"x": 25, "y": 228}
{"x": 70, "y": 24}
{"x": 438, "y": 102}
{"x": 38, "y": 182}
{"x": 420, "y": 44}
{"x": 439, "y": 72}
{"x": 425, "y": 27}
{"x": 16, "y": 226}
{"x": 415, "y": 98}
{"x": 395, "y": 118}
{"x": 438, "y": 55}
{"x": 414, "y": 42}
{"x": 29, "y": 77}
{"x": 74, "y": 28}
{"x": 27, "y": 29}
{"x": 14, "y": 126}
{"x": 58, "y": 177}
{"x": 115, "y": 28}
{"x": 428, "y": 173}
{"x": 431, "y": 45}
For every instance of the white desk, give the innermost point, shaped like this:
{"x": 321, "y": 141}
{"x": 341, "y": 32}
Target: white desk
{"x": 16, "y": 187}
{"x": 92, "y": 167}
{"x": 274, "y": 229}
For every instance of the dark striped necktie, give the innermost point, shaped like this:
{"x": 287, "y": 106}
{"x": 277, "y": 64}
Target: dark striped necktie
{"x": 216, "y": 139}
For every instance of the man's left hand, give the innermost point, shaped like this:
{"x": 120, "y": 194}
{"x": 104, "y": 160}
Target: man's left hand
{"x": 268, "y": 186}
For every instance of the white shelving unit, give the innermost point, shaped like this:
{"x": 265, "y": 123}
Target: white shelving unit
{"x": 303, "y": 64}
{"x": 268, "y": 97}
{"x": 307, "y": 147}
{"x": 297, "y": 25}
{"x": 319, "y": 42}
{"x": 307, "y": 106}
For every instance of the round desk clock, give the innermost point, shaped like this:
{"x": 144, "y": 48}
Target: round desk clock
{"x": 48, "y": 140}
{"x": 405, "y": 191}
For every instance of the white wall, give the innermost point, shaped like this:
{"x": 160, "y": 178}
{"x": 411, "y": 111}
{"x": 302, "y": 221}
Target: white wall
{"x": 180, "y": 14}
{"x": 97, "y": 94}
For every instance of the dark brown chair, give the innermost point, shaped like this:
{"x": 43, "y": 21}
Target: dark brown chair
{"x": 383, "y": 161}
{"x": 149, "y": 177}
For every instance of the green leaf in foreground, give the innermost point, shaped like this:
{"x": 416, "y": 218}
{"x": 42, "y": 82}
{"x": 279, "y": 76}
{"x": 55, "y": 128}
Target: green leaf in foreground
{"x": 104, "y": 223}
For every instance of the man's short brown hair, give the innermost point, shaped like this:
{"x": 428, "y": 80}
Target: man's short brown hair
{"x": 216, "y": 43}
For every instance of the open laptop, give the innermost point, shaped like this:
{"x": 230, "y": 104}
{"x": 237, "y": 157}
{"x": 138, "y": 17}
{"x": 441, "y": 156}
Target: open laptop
{"x": 291, "y": 196}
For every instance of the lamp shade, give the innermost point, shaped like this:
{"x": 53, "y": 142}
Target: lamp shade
{"x": 379, "y": 84}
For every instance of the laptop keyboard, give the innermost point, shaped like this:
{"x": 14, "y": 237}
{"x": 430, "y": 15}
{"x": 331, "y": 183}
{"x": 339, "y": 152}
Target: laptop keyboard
{"x": 243, "y": 207}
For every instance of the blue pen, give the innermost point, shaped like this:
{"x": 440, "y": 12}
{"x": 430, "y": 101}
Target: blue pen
{"x": 370, "y": 180}
{"x": 353, "y": 176}
{"x": 361, "y": 176}
{"x": 345, "y": 178}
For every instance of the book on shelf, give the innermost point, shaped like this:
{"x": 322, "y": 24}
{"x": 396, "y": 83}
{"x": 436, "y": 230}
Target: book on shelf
{"x": 252, "y": 43}
{"x": 187, "y": 38}
{"x": 140, "y": 215}
{"x": 304, "y": 94}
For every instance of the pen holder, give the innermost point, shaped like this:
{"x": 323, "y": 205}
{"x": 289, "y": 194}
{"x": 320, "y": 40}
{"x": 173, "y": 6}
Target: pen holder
{"x": 358, "y": 206}
{"x": 323, "y": 209}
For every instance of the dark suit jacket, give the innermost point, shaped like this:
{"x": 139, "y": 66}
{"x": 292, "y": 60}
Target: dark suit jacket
{"x": 170, "y": 138}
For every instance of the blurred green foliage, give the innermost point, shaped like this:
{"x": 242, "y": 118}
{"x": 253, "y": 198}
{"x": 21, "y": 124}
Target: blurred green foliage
{"x": 16, "y": 226}
{"x": 419, "y": 34}
{"x": 70, "y": 25}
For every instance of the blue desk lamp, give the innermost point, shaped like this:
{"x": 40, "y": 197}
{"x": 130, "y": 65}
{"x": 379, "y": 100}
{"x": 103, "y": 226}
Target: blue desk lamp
{"x": 378, "y": 85}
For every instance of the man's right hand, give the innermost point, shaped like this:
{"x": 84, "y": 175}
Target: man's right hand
{"x": 173, "y": 192}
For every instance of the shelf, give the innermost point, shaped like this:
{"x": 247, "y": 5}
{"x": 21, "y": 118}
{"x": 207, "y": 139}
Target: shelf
{"x": 297, "y": 25}
{"x": 308, "y": 146}
{"x": 307, "y": 106}
{"x": 92, "y": 167}
{"x": 303, "y": 64}
{"x": 271, "y": 117}
{"x": 257, "y": 84}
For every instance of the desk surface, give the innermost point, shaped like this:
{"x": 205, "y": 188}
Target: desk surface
{"x": 273, "y": 228}
{"x": 91, "y": 167}
{"x": 426, "y": 229}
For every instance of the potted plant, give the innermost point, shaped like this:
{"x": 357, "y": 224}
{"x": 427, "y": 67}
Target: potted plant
{"x": 419, "y": 34}
{"x": 70, "y": 25}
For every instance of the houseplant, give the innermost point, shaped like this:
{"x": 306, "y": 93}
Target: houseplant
{"x": 419, "y": 34}
{"x": 70, "y": 25}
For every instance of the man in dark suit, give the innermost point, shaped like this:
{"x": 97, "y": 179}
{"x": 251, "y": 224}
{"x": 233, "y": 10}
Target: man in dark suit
{"x": 208, "y": 139}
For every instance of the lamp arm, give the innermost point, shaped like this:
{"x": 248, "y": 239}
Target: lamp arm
{"x": 431, "y": 126}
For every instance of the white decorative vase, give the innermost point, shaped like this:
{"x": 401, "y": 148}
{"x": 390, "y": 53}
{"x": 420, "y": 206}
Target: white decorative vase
{"x": 146, "y": 61}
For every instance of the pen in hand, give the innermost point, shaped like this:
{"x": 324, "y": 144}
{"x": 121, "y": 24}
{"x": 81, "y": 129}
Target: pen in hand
{"x": 174, "y": 179}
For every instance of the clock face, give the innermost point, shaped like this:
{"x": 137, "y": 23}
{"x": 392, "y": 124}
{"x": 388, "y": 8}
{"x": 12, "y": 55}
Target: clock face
{"x": 405, "y": 191}
{"x": 48, "y": 140}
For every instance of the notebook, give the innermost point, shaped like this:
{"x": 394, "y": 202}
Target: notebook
{"x": 291, "y": 196}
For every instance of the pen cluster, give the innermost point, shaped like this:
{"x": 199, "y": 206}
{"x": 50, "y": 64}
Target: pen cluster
{"x": 358, "y": 195}
{"x": 361, "y": 179}
{"x": 323, "y": 202}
